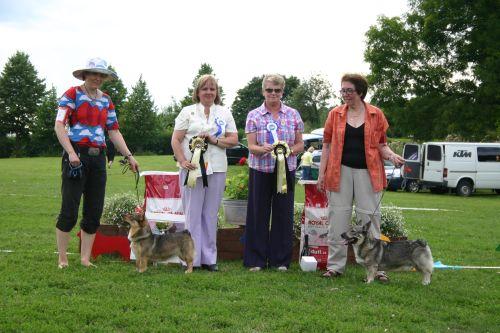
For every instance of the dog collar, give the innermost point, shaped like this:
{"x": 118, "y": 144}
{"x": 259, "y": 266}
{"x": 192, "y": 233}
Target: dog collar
{"x": 140, "y": 237}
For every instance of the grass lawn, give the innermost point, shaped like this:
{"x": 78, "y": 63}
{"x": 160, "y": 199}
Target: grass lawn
{"x": 38, "y": 297}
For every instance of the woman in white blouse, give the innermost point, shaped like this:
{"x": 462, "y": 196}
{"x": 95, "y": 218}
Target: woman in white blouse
{"x": 209, "y": 120}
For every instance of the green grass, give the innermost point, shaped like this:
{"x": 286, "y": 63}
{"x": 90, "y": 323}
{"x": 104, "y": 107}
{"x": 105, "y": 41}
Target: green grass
{"x": 38, "y": 297}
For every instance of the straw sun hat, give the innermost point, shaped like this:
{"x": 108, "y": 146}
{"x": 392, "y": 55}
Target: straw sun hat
{"x": 96, "y": 65}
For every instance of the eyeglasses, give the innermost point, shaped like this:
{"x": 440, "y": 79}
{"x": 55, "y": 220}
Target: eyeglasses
{"x": 271, "y": 90}
{"x": 348, "y": 91}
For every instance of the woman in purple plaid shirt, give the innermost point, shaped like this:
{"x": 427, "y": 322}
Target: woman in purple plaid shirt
{"x": 272, "y": 121}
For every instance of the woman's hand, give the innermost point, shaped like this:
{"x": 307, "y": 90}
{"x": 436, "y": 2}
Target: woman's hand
{"x": 74, "y": 160}
{"x": 320, "y": 185}
{"x": 186, "y": 165}
{"x": 134, "y": 166}
{"x": 209, "y": 138}
{"x": 396, "y": 160}
{"x": 266, "y": 148}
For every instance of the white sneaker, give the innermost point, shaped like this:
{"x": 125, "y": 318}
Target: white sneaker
{"x": 282, "y": 268}
{"x": 255, "y": 269}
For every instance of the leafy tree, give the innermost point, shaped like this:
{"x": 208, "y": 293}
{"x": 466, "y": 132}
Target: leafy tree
{"x": 168, "y": 114}
{"x": 116, "y": 90}
{"x": 250, "y": 97}
{"x": 312, "y": 99}
{"x": 21, "y": 92}
{"x": 435, "y": 69}
{"x": 44, "y": 139}
{"x": 204, "y": 69}
{"x": 138, "y": 121}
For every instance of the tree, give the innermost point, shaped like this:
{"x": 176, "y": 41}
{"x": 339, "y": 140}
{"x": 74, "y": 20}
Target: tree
{"x": 44, "y": 139}
{"x": 312, "y": 98}
{"x": 250, "y": 97}
{"x": 21, "y": 92}
{"x": 116, "y": 90}
{"x": 435, "y": 69}
{"x": 204, "y": 69}
{"x": 138, "y": 121}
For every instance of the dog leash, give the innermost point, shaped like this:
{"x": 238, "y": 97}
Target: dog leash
{"x": 125, "y": 167}
{"x": 383, "y": 192}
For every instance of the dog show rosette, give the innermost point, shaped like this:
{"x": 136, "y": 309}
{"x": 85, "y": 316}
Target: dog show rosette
{"x": 197, "y": 145}
{"x": 280, "y": 153}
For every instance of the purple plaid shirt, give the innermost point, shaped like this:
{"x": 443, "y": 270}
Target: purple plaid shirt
{"x": 288, "y": 123}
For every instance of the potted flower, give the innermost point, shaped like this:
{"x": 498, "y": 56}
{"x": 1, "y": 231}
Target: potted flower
{"x": 234, "y": 203}
{"x": 114, "y": 208}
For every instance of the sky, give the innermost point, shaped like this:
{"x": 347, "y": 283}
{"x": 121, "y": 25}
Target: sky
{"x": 167, "y": 41}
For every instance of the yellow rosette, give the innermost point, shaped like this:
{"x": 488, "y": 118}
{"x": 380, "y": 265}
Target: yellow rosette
{"x": 280, "y": 153}
{"x": 197, "y": 146}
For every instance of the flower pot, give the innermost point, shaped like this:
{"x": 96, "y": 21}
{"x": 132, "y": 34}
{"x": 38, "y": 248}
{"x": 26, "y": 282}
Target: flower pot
{"x": 110, "y": 239}
{"x": 235, "y": 211}
{"x": 230, "y": 244}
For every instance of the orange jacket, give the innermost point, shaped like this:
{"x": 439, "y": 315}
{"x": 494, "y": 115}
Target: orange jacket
{"x": 375, "y": 133}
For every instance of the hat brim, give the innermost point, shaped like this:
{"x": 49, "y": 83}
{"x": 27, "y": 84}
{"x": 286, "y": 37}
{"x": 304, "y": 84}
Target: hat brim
{"x": 79, "y": 73}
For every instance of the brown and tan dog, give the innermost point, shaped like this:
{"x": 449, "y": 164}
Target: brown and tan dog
{"x": 147, "y": 246}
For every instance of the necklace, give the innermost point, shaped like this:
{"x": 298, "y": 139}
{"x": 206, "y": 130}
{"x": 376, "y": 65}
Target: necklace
{"x": 88, "y": 92}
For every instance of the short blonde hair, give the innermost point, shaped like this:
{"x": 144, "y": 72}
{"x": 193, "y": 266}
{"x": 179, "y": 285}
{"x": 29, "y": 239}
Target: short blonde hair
{"x": 275, "y": 79}
{"x": 202, "y": 80}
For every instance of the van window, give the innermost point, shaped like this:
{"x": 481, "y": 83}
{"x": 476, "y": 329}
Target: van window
{"x": 433, "y": 153}
{"x": 411, "y": 153}
{"x": 488, "y": 154}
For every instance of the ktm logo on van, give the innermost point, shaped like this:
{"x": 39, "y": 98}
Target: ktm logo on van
{"x": 462, "y": 153}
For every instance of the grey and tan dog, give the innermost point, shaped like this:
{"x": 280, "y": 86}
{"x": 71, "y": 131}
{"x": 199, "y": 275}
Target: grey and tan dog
{"x": 148, "y": 246}
{"x": 390, "y": 256}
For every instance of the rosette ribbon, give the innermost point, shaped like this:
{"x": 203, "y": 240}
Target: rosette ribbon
{"x": 197, "y": 146}
{"x": 280, "y": 153}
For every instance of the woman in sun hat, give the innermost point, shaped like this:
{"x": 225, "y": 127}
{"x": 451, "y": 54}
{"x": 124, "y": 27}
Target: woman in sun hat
{"x": 84, "y": 113}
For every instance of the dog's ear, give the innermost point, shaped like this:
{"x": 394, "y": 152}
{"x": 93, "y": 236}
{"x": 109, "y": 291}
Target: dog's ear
{"x": 367, "y": 226}
{"x": 141, "y": 218}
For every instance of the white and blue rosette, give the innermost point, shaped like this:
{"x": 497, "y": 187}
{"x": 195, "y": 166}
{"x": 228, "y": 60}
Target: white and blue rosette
{"x": 220, "y": 126}
{"x": 272, "y": 128}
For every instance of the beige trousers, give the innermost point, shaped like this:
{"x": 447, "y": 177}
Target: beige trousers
{"x": 355, "y": 187}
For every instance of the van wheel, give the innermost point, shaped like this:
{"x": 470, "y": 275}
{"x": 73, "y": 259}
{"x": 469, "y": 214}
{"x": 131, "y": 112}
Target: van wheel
{"x": 464, "y": 188}
{"x": 412, "y": 186}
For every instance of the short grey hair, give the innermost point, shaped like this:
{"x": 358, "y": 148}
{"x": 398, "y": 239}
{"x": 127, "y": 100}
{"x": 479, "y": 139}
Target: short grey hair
{"x": 275, "y": 79}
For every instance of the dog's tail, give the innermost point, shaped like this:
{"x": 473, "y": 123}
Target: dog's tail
{"x": 421, "y": 242}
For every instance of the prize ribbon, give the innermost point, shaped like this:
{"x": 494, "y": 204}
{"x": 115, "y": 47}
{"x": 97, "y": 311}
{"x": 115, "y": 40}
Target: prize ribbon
{"x": 219, "y": 123}
{"x": 273, "y": 135}
{"x": 197, "y": 146}
{"x": 280, "y": 152}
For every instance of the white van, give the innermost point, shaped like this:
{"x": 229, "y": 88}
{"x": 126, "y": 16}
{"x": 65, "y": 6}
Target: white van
{"x": 441, "y": 166}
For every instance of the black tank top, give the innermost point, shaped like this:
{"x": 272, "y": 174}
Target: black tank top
{"x": 353, "y": 153}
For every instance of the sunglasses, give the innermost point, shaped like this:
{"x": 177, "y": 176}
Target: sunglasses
{"x": 271, "y": 90}
{"x": 348, "y": 91}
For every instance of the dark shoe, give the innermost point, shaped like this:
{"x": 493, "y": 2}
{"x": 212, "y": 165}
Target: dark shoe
{"x": 331, "y": 274}
{"x": 210, "y": 268}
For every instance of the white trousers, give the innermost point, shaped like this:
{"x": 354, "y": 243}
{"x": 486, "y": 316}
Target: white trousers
{"x": 355, "y": 187}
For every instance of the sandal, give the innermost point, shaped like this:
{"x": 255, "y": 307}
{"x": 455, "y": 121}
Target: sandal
{"x": 331, "y": 274}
